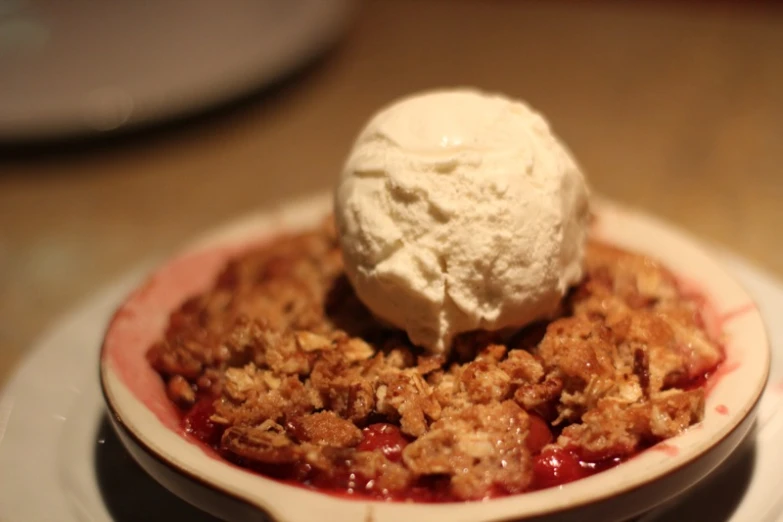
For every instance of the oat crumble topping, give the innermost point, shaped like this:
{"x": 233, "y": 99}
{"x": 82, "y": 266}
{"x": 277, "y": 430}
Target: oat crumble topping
{"x": 283, "y": 370}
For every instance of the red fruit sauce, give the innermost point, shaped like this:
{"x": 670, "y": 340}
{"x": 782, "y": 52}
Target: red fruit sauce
{"x": 383, "y": 437}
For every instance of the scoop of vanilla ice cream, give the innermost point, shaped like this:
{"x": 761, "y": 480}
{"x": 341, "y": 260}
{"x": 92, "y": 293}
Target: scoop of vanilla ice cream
{"x": 459, "y": 210}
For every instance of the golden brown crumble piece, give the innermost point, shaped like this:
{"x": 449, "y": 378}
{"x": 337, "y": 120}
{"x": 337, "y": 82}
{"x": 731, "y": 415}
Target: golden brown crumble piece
{"x": 616, "y": 429}
{"x": 294, "y": 368}
{"x": 266, "y": 443}
{"x": 325, "y": 428}
{"x": 479, "y": 447}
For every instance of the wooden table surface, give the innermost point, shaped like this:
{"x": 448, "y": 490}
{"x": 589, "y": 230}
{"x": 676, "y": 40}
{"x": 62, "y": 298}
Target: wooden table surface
{"x": 677, "y": 109}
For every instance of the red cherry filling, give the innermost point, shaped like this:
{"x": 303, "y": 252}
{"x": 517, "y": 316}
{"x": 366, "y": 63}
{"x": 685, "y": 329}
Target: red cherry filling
{"x": 383, "y": 437}
{"x": 197, "y": 422}
{"x": 555, "y": 467}
{"x": 539, "y": 434}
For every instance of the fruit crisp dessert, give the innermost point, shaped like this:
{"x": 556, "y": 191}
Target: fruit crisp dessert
{"x": 282, "y": 369}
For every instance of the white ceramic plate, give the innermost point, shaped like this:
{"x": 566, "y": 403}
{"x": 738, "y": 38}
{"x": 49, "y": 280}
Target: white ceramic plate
{"x": 55, "y": 443}
{"x": 149, "y": 424}
{"x": 86, "y": 67}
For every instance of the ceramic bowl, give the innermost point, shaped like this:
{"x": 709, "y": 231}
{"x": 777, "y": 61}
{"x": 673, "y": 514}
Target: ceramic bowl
{"x": 149, "y": 426}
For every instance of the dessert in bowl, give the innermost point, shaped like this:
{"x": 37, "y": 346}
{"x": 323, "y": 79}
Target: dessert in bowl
{"x": 264, "y": 365}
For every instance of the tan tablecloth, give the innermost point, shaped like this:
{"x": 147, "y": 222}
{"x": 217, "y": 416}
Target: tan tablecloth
{"x": 677, "y": 109}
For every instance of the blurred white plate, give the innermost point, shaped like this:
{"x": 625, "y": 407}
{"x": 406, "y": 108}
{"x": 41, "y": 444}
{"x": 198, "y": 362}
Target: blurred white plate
{"x": 87, "y": 67}
{"x": 59, "y": 459}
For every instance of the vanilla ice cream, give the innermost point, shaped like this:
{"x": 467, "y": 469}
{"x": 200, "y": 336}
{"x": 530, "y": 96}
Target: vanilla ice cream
{"x": 460, "y": 210}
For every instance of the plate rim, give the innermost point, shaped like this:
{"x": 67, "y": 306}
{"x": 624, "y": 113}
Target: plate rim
{"x": 320, "y": 30}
